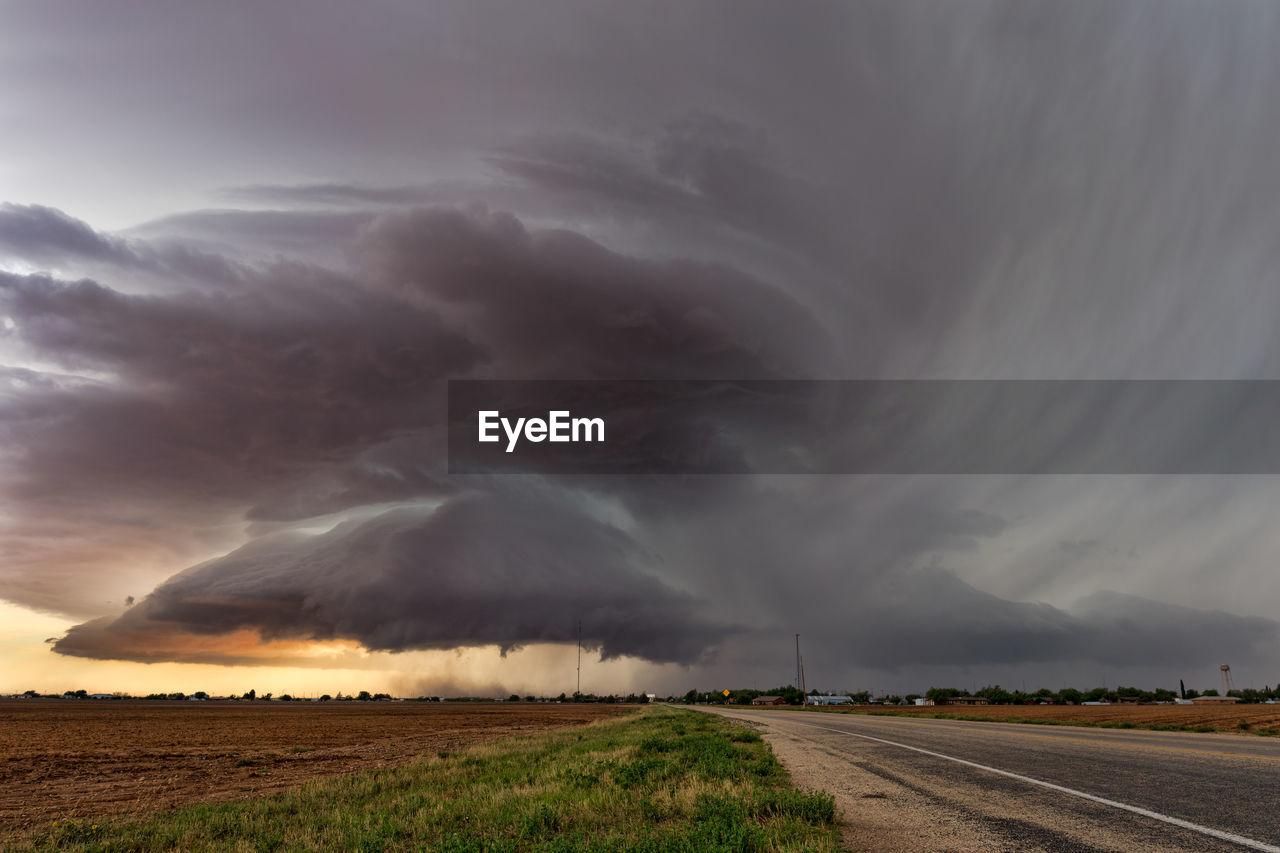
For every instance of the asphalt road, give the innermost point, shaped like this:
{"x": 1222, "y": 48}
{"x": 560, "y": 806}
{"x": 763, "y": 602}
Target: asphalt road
{"x": 950, "y": 785}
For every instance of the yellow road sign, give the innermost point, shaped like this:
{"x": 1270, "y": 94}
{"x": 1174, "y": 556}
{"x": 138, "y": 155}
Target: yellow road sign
{"x": 726, "y": 694}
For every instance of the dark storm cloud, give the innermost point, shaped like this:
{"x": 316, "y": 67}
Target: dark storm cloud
{"x": 483, "y": 569}
{"x": 43, "y": 234}
{"x": 42, "y": 237}
{"x": 700, "y": 169}
{"x": 554, "y": 304}
{"x": 312, "y": 393}
{"x": 724, "y": 190}
{"x": 304, "y": 393}
{"x": 931, "y": 617}
{"x": 211, "y": 405}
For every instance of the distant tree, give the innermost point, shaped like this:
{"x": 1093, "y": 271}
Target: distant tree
{"x": 995, "y": 694}
{"x": 514, "y": 697}
{"x": 325, "y": 697}
{"x": 30, "y": 694}
{"x": 267, "y": 696}
{"x": 691, "y": 697}
{"x": 1210, "y": 692}
{"x": 1133, "y": 693}
{"x": 941, "y": 694}
{"x": 178, "y": 696}
{"x": 364, "y": 696}
{"x": 251, "y": 695}
{"x": 561, "y": 698}
{"x": 1182, "y": 688}
{"x": 200, "y": 694}
{"x": 285, "y": 697}
{"x": 530, "y": 698}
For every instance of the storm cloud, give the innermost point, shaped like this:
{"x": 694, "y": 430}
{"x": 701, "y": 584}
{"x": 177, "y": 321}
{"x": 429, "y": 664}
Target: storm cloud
{"x": 228, "y": 315}
{"x": 481, "y": 569}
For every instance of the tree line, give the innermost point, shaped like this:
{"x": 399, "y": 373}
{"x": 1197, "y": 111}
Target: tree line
{"x": 993, "y": 693}
{"x": 362, "y": 696}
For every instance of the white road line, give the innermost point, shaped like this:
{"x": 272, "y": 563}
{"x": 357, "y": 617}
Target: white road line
{"x": 1185, "y": 824}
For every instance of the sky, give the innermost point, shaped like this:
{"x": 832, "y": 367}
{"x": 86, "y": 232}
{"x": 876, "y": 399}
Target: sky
{"x": 244, "y": 247}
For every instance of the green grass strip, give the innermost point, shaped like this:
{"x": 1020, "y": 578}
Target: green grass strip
{"x": 659, "y": 780}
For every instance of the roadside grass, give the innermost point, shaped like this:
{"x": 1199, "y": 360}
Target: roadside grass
{"x": 659, "y": 780}
{"x": 1242, "y": 726}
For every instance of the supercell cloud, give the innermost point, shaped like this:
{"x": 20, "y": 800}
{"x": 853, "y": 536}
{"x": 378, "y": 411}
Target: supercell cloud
{"x": 236, "y": 272}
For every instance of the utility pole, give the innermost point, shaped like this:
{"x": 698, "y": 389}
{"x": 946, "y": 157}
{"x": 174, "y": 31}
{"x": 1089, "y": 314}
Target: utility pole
{"x": 579, "y": 690}
{"x": 799, "y": 677}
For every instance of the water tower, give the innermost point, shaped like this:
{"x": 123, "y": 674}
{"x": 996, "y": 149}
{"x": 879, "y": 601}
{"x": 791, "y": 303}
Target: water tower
{"x": 1227, "y": 686}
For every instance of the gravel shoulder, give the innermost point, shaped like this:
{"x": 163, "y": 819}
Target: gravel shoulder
{"x": 892, "y": 799}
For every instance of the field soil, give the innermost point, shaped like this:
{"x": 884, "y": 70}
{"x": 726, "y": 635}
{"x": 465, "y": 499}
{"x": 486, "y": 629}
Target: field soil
{"x": 1260, "y": 718}
{"x": 85, "y": 758}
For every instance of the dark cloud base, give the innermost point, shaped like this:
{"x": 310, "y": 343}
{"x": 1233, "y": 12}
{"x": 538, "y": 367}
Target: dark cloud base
{"x": 483, "y": 569}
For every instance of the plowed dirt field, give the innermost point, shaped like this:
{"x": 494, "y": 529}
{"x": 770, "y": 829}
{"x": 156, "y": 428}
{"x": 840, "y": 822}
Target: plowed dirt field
{"x": 1260, "y": 718}
{"x": 68, "y": 758}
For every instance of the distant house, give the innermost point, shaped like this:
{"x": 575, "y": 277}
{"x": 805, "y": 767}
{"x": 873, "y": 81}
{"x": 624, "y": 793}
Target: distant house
{"x": 829, "y": 700}
{"x": 768, "y": 700}
{"x": 1215, "y": 700}
{"x": 101, "y": 696}
{"x": 965, "y": 700}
